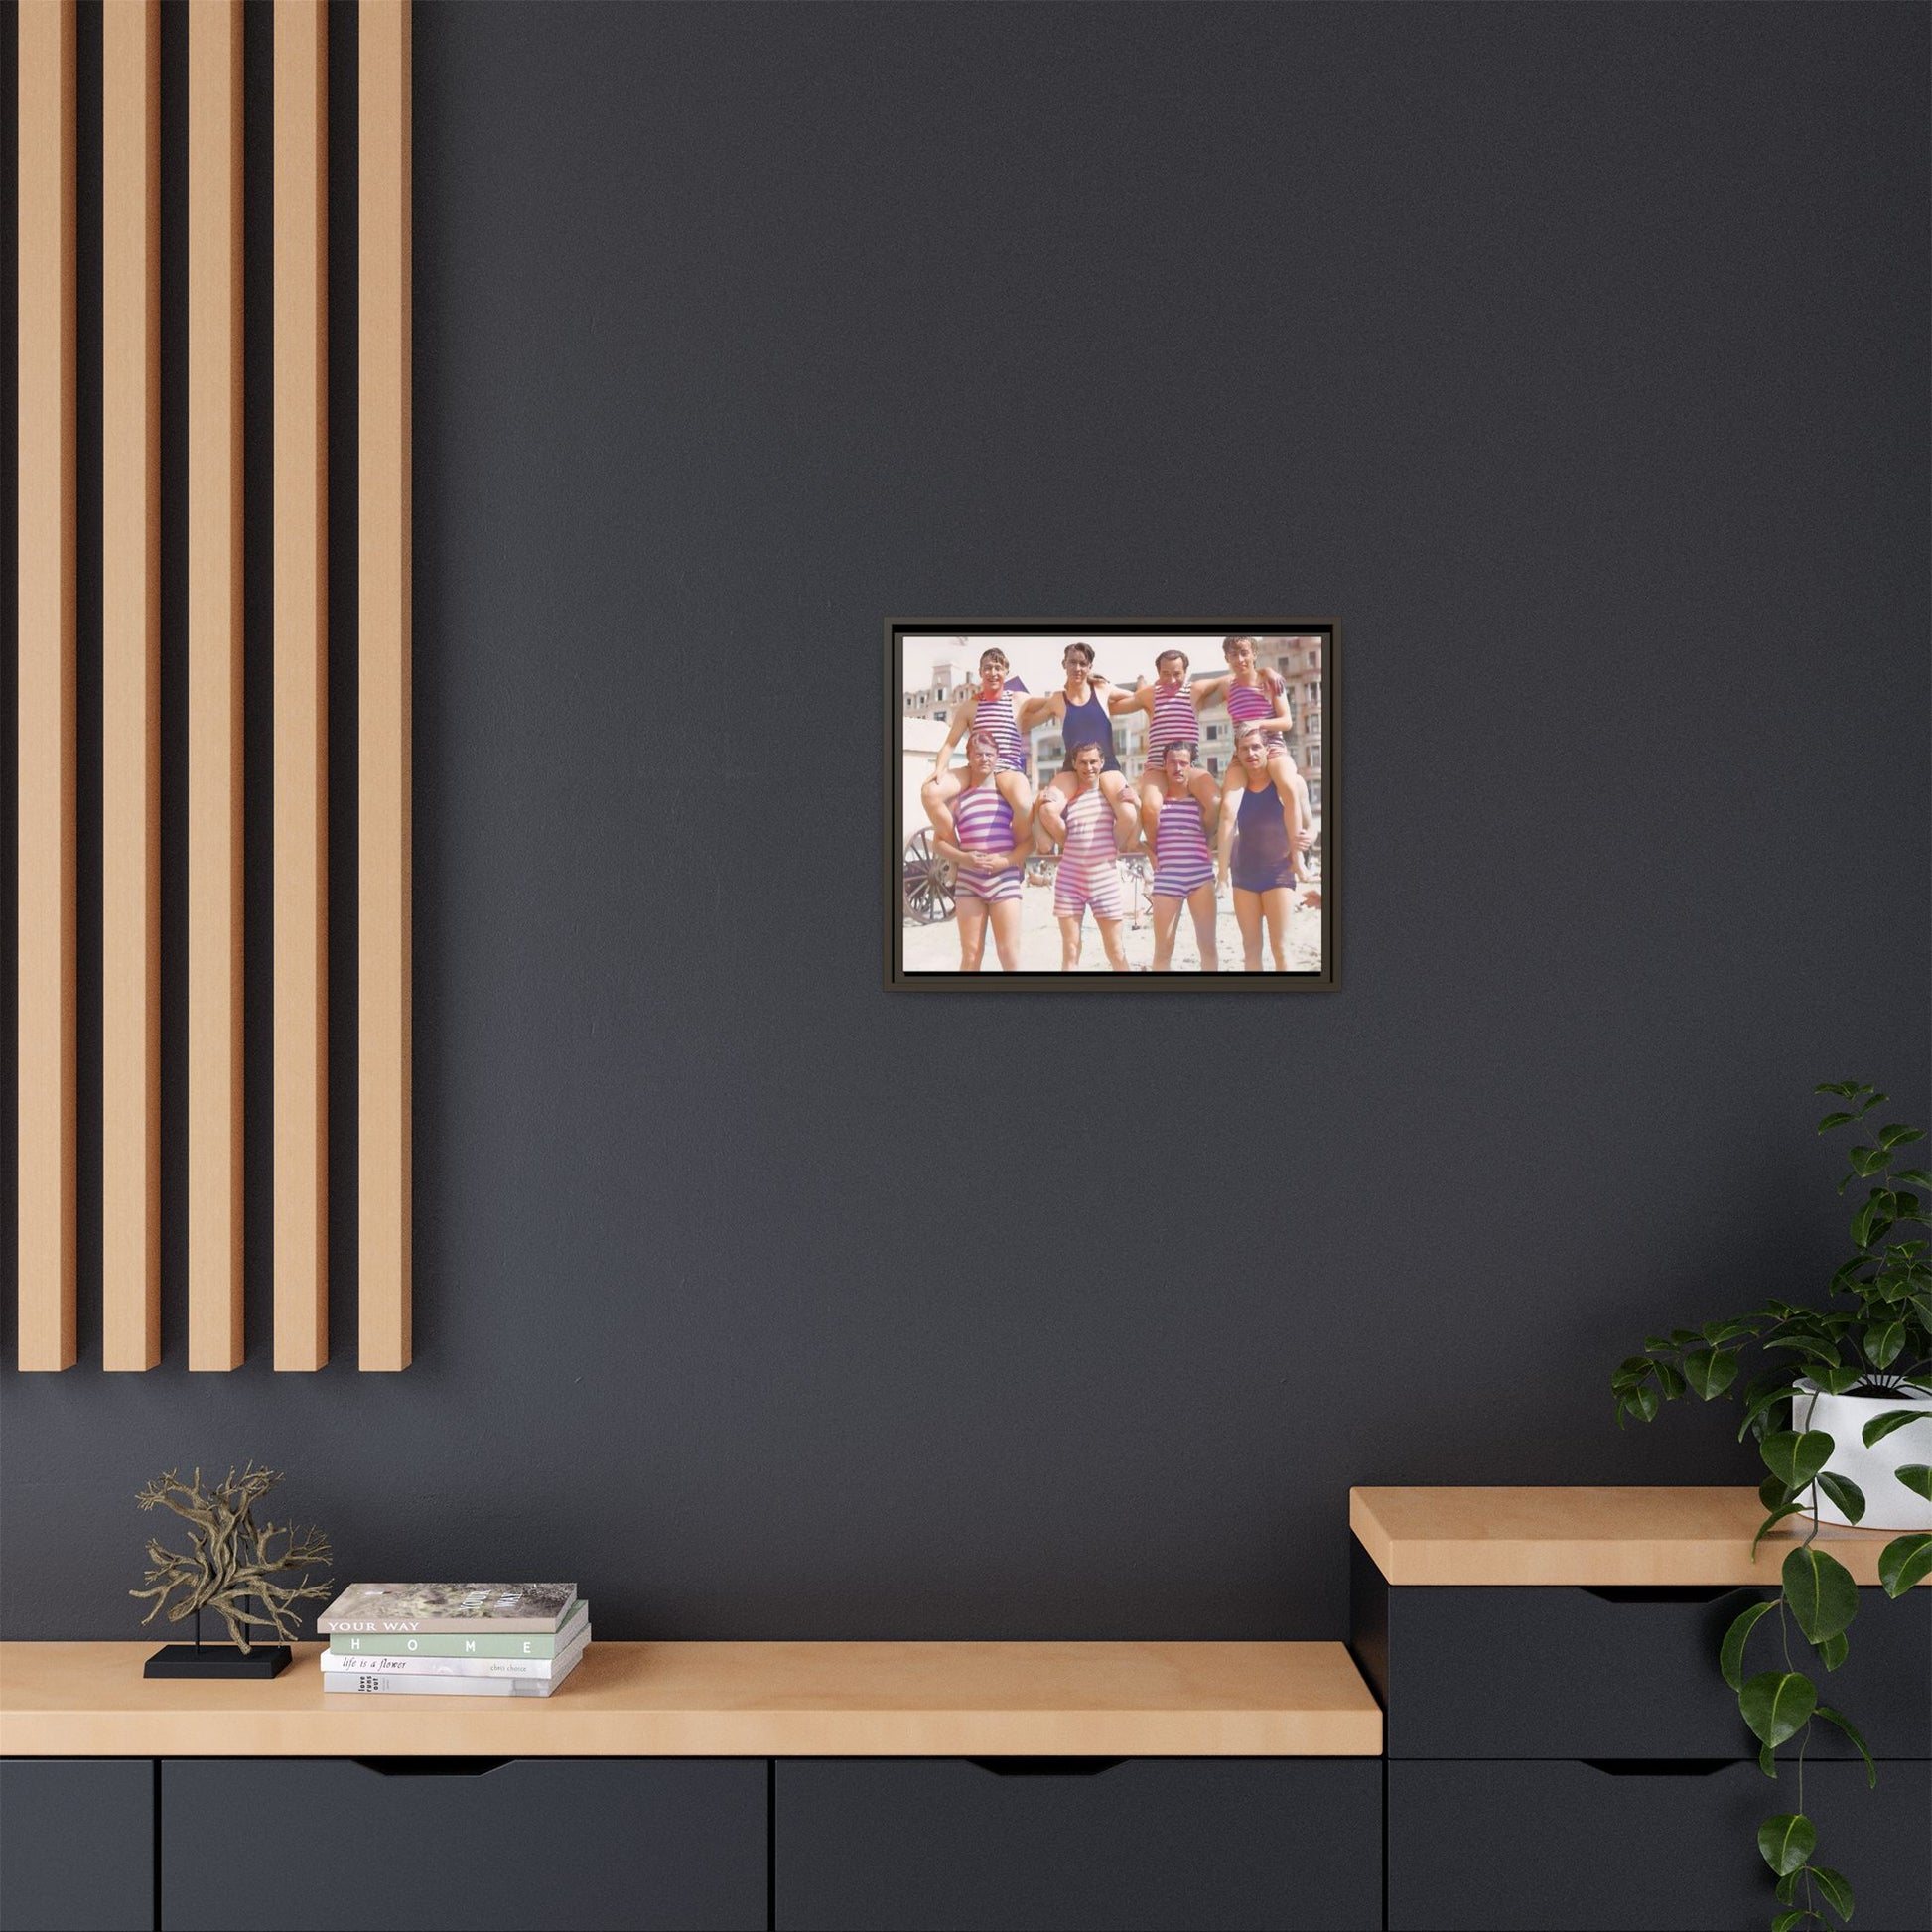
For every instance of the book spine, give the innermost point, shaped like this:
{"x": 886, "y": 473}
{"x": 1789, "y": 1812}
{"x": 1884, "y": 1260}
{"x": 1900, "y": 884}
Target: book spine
{"x": 540, "y": 1667}
{"x": 367, "y": 1684}
{"x": 488, "y": 1645}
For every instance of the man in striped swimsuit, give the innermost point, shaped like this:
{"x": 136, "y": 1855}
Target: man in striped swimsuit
{"x": 1183, "y": 868}
{"x": 1172, "y": 706}
{"x": 989, "y": 708}
{"x": 988, "y": 850}
{"x": 1088, "y": 828}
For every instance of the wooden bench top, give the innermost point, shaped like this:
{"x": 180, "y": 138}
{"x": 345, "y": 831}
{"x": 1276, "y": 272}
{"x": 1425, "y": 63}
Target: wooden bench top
{"x": 1594, "y": 1538}
{"x": 726, "y": 1700}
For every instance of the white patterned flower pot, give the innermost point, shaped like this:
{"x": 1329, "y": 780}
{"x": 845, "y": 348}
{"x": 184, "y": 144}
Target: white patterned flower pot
{"x": 1888, "y": 1505}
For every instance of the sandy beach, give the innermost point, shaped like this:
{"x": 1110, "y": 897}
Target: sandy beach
{"x": 935, "y": 948}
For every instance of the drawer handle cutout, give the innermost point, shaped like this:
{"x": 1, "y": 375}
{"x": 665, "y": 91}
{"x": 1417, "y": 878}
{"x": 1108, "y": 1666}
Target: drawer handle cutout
{"x": 1661, "y": 1768}
{"x": 1663, "y": 1592}
{"x": 1046, "y": 1767}
{"x": 430, "y": 1768}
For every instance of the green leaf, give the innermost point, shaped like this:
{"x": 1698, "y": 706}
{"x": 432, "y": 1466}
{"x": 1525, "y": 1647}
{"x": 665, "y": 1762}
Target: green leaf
{"x": 1796, "y": 1456}
{"x": 1846, "y": 1725}
{"x": 1771, "y": 1522}
{"x": 1879, "y": 1426}
{"x": 1883, "y": 1341}
{"x": 1917, "y": 1477}
{"x": 1773, "y": 1493}
{"x": 1830, "y": 1121}
{"x": 1777, "y": 1704}
{"x": 1766, "y": 1761}
{"x": 1671, "y": 1378}
{"x": 1787, "y": 1841}
{"x": 1820, "y": 1590}
{"x": 1904, "y": 1561}
{"x": 1873, "y": 1219}
{"x": 1720, "y": 1333}
{"x": 1834, "y": 1651}
{"x": 1787, "y": 1887}
{"x": 1844, "y": 1493}
{"x": 1709, "y": 1371}
{"x": 1876, "y": 1099}
{"x": 1641, "y": 1403}
{"x": 1844, "y": 1087}
{"x": 1914, "y": 1177}
{"x": 1835, "y": 1381}
{"x": 1764, "y": 1400}
{"x": 1730, "y": 1657}
{"x": 1789, "y": 1921}
{"x": 1898, "y": 1135}
{"x": 1868, "y": 1160}
{"x": 1837, "y": 1894}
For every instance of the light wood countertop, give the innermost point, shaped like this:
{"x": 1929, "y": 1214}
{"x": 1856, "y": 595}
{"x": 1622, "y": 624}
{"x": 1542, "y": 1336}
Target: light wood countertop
{"x": 1594, "y": 1538}
{"x": 726, "y": 1700}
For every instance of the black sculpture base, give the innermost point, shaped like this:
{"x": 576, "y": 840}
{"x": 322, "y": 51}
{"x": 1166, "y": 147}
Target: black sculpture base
{"x": 217, "y": 1660}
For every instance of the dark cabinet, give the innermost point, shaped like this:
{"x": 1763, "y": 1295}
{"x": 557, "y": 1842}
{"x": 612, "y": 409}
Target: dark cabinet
{"x": 1518, "y": 1673}
{"x": 1570, "y": 1760}
{"x": 437, "y": 1842}
{"x": 1623, "y": 1847}
{"x": 1112, "y": 1846}
{"x": 77, "y": 1844}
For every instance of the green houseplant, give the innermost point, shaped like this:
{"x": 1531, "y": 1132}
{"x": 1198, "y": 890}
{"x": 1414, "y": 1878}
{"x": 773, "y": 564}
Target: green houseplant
{"x": 1872, "y": 1338}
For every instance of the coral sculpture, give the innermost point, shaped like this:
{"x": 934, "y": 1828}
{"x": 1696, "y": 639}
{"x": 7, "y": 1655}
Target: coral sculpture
{"x": 230, "y": 1558}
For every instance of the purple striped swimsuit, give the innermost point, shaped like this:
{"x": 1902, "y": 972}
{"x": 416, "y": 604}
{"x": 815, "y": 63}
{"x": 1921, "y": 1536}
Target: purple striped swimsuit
{"x": 995, "y": 715}
{"x": 1175, "y": 722}
{"x": 1246, "y": 701}
{"x": 983, "y": 822}
{"x": 1182, "y": 864}
{"x": 1089, "y": 870}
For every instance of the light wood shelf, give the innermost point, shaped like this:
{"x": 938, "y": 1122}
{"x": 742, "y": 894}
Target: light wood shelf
{"x": 727, "y": 1699}
{"x": 1588, "y": 1538}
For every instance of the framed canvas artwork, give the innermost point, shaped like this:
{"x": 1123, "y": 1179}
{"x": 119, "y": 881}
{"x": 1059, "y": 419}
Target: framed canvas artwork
{"x": 1088, "y": 804}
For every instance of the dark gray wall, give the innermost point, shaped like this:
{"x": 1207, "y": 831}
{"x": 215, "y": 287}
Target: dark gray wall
{"x": 1571, "y": 357}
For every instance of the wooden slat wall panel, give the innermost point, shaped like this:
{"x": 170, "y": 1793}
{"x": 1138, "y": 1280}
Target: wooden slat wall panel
{"x": 383, "y": 708}
{"x": 46, "y": 944}
{"x": 301, "y": 686}
{"x": 215, "y": 670}
{"x": 131, "y": 684}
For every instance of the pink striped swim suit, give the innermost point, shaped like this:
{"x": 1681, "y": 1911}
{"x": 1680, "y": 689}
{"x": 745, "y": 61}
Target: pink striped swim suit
{"x": 1246, "y": 701}
{"x": 1089, "y": 868}
{"x": 995, "y": 715}
{"x": 1175, "y": 722}
{"x": 1182, "y": 864}
{"x": 983, "y": 821}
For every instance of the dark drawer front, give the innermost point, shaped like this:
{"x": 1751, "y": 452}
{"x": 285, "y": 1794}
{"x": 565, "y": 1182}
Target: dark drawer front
{"x": 1244, "y": 1843}
{"x": 328, "y": 1843}
{"x": 77, "y": 1844}
{"x": 1578, "y": 1673}
{"x": 1571, "y": 1848}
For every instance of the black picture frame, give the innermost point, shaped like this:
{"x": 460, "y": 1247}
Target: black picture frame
{"x": 900, "y": 830}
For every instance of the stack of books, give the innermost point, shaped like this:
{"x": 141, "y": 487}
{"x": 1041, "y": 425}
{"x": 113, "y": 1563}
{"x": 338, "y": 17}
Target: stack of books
{"x": 454, "y": 1639}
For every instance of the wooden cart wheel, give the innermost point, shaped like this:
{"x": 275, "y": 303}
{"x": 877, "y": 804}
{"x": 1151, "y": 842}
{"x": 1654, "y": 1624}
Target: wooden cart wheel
{"x": 927, "y": 883}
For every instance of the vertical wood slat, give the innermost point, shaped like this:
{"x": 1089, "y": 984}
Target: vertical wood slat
{"x": 215, "y": 670}
{"x": 131, "y": 684}
{"x": 301, "y": 686}
{"x": 384, "y": 673}
{"x": 46, "y": 943}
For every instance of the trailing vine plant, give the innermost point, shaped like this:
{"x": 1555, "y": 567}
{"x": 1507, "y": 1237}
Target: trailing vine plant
{"x": 1878, "y": 1345}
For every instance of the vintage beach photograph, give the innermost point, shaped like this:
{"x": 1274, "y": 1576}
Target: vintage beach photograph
{"x": 1094, "y": 805}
